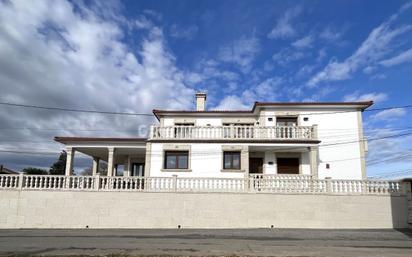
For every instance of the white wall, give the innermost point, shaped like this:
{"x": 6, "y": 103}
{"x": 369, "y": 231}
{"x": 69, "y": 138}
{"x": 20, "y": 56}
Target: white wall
{"x": 205, "y": 161}
{"x": 333, "y": 129}
{"x": 267, "y": 168}
{"x": 68, "y": 209}
{"x": 208, "y": 121}
{"x": 343, "y": 159}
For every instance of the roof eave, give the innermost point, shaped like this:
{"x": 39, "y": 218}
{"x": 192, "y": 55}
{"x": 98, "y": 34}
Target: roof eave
{"x": 64, "y": 140}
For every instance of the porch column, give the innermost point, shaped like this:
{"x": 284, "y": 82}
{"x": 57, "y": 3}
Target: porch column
{"x": 313, "y": 153}
{"x": 127, "y": 167}
{"x": 115, "y": 170}
{"x": 110, "y": 161}
{"x": 245, "y": 160}
{"x": 95, "y": 169}
{"x": 148, "y": 158}
{"x": 69, "y": 160}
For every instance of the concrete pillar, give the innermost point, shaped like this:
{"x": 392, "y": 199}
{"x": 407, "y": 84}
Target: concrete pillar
{"x": 244, "y": 159}
{"x": 148, "y": 158}
{"x": 95, "y": 169}
{"x": 313, "y": 156}
{"x": 110, "y": 161}
{"x": 69, "y": 160}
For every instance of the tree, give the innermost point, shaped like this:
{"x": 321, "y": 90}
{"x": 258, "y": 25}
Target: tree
{"x": 59, "y": 167}
{"x": 34, "y": 171}
{"x": 102, "y": 170}
{"x": 87, "y": 171}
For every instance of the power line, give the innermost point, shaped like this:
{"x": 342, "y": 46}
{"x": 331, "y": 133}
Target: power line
{"x": 206, "y": 153}
{"x": 74, "y": 110}
{"x": 150, "y": 114}
{"x": 27, "y": 152}
{"x": 383, "y": 173}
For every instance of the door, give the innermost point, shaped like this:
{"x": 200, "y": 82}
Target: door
{"x": 256, "y": 165}
{"x": 286, "y": 121}
{"x": 288, "y": 165}
{"x": 137, "y": 170}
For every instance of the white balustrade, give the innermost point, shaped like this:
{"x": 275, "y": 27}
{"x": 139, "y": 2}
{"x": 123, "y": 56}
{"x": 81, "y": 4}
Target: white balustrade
{"x": 255, "y": 183}
{"x": 9, "y": 181}
{"x": 211, "y": 184}
{"x": 231, "y": 132}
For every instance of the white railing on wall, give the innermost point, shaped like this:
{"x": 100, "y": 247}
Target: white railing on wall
{"x": 232, "y": 132}
{"x": 286, "y": 184}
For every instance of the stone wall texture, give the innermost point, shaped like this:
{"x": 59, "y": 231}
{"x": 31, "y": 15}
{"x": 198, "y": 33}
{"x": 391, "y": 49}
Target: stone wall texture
{"x": 70, "y": 209}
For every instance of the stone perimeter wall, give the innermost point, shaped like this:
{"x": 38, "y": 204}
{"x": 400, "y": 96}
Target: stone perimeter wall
{"x": 70, "y": 209}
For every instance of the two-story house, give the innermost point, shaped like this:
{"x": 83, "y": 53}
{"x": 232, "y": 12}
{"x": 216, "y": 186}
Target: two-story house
{"x": 318, "y": 139}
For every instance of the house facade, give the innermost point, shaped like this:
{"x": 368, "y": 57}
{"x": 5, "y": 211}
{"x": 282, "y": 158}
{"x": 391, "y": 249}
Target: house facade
{"x": 318, "y": 140}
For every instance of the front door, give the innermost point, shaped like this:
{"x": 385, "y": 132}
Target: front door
{"x": 256, "y": 165}
{"x": 137, "y": 170}
{"x": 288, "y": 165}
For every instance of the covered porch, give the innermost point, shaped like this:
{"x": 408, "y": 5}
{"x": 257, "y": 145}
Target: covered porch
{"x": 297, "y": 160}
{"x": 126, "y": 153}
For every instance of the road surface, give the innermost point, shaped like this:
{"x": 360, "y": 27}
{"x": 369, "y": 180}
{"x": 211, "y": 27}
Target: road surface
{"x": 193, "y": 242}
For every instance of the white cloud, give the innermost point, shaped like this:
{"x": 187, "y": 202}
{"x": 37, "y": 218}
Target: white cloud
{"x": 267, "y": 88}
{"x": 405, "y": 56}
{"x": 286, "y": 56}
{"x": 72, "y": 57}
{"x": 387, "y": 151}
{"x": 208, "y": 69}
{"x": 378, "y": 76}
{"x": 180, "y": 32}
{"x": 376, "y": 97}
{"x": 232, "y": 102}
{"x": 304, "y": 71}
{"x": 264, "y": 91}
{"x": 375, "y": 47}
{"x": 142, "y": 22}
{"x": 305, "y": 42}
{"x": 331, "y": 35}
{"x": 241, "y": 52}
{"x": 284, "y": 27}
{"x": 388, "y": 114}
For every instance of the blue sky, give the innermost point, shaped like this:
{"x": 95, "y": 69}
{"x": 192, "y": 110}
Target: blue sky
{"x": 138, "y": 55}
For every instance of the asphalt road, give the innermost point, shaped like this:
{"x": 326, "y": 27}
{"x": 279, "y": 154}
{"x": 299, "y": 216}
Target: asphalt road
{"x": 191, "y": 242}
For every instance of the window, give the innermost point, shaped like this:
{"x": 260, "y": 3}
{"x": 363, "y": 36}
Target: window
{"x": 231, "y": 160}
{"x": 176, "y": 160}
{"x": 286, "y": 121}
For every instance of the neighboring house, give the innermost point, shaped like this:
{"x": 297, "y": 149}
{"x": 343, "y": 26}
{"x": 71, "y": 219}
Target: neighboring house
{"x": 4, "y": 170}
{"x": 319, "y": 139}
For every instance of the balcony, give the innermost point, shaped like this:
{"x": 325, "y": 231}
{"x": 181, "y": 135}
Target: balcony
{"x": 233, "y": 133}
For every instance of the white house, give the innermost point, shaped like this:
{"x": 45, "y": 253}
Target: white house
{"x": 317, "y": 139}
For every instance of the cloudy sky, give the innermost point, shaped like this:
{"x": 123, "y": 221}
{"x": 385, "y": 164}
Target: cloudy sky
{"x": 134, "y": 56}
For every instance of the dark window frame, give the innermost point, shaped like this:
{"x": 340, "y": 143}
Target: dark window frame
{"x": 231, "y": 154}
{"x": 289, "y": 120}
{"x": 176, "y": 155}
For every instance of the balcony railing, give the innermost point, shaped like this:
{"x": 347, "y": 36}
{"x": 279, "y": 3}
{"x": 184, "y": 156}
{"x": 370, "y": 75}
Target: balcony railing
{"x": 232, "y": 132}
{"x": 284, "y": 184}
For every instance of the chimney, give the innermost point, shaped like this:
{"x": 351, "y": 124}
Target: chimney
{"x": 201, "y": 101}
